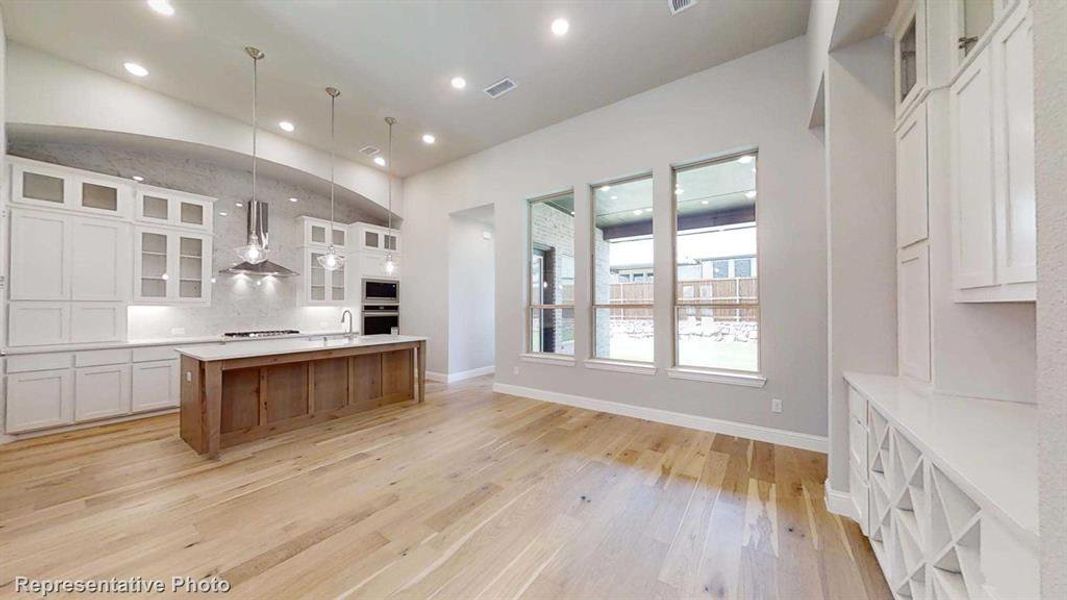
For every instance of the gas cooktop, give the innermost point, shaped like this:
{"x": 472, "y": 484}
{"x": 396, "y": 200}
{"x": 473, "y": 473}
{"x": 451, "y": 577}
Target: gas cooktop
{"x": 259, "y": 334}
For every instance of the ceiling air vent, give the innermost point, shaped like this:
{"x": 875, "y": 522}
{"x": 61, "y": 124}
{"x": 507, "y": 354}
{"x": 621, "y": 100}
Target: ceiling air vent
{"x": 501, "y": 87}
{"x": 371, "y": 150}
{"x": 678, "y": 6}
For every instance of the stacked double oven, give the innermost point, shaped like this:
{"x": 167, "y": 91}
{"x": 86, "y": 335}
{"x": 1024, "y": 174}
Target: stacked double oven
{"x": 381, "y": 306}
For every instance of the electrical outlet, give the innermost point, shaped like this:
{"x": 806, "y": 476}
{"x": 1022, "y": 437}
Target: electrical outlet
{"x": 776, "y": 405}
{"x": 514, "y": 370}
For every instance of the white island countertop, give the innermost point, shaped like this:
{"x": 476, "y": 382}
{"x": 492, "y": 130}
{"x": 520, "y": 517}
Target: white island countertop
{"x": 269, "y": 347}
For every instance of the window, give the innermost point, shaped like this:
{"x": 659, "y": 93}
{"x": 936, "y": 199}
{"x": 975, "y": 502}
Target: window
{"x": 716, "y": 303}
{"x": 551, "y": 259}
{"x": 622, "y": 270}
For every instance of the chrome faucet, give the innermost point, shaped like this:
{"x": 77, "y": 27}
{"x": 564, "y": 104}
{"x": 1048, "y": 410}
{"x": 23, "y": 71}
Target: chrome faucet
{"x": 351, "y": 321}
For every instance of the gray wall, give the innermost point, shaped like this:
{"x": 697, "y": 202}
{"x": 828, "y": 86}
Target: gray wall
{"x": 1050, "y": 113}
{"x": 470, "y": 295}
{"x": 755, "y": 101}
{"x": 236, "y": 303}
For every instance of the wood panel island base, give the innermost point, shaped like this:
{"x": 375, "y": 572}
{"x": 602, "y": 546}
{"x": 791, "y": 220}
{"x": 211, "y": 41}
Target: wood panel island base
{"x": 236, "y": 393}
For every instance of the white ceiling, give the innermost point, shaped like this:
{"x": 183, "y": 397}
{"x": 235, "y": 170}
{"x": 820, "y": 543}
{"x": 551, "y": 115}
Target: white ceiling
{"x": 396, "y": 58}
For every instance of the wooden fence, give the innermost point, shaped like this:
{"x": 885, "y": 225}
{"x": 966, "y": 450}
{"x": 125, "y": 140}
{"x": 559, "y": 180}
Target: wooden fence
{"x": 738, "y": 290}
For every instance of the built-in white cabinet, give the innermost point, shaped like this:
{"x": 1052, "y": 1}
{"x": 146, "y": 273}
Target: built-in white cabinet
{"x": 949, "y": 516}
{"x": 38, "y": 323}
{"x": 51, "y": 186}
{"x": 39, "y": 399}
{"x": 913, "y": 312}
{"x": 171, "y": 266}
{"x": 993, "y": 204}
{"x": 909, "y": 51}
{"x": 178, "y": 209}
{"x": 374, "y": 238}
{"x": 54, "y": 389}
{"x": 320, "y": 286}
{"x": 155, "y": 385}
{"x": 912, "y": 185}
{"x": 101, "y": 391}
{"x": 373, "y": 266}
{"x": 40, "y": 255}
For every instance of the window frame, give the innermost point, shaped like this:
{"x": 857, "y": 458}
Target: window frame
{"x": 530, "y": 307}
{"x": 593, "y": 305}
{"x": 676, "y": 365}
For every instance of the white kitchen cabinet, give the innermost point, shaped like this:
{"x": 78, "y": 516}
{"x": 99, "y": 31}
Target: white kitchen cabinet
{"x": 373, "y": 266}
{"x": 97, "y": 322}
{"x": 170, "y": 207}
{"x": 171, "y": 266}
{"x": 40, "y": 257}
{"x": 39, "y": 399}
{"x": 99, "y": 261}
{"x": 102, "y": 391}
{"x": 38, "y": 323}
{"x": 58, "y": 256}
{"x": 155, "y": 385}
{"x": 318, "y": 232}
{"x": 374, "y": 238}
{"x": 909, "y": 50}
{"x": 322, "y": 287}
{"x": 914, "y": 312}
{"x": 53, "y": 186}
{"x": 912, "y": 188}
{"x": 993, "y": 206}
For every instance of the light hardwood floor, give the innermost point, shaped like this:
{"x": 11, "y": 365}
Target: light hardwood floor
{"x": 470, "y": 495}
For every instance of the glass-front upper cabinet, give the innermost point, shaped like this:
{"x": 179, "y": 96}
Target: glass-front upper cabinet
{"x": 909, "y": 49}
{"x": 170, "y": 207}
{"x": 317, "y": 232}
{"x": 375, "y": 238}
{"x": 973, "y": 20}
{"x": 172, "y": 267}
{"x": 55, "y": 186}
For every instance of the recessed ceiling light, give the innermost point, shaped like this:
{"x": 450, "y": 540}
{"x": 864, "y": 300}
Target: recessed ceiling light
{"x": 746, "y": 159}
{"x": 137, "y": 178}
{"x": 223, "y": 213}
{"x": 238, "y": 204}
{"x": 614, "y": 197}
{"x": 750, "y": 194}
{"x": 459, "y": 83}
{"x": 703, "y": 201}
{"x": 379, "y": 160}
{"x": 638, "y": 211}
{"x": 135, "y": 69}
{"x": 428, "y": 138}
{"x": 162, "y": 7}
{"x": 294, "y": 199}
{"x": 560, "y": 27}
{"x": 605, "y": 188}
{"x": 287, "y": 126}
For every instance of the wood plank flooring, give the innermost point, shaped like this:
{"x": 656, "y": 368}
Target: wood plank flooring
{"x": 470, "y": 495}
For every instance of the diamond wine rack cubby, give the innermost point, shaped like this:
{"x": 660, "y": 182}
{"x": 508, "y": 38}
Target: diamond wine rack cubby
{"x": 937, "y": 535}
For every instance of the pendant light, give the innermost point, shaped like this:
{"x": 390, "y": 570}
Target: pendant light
{"x": 253, "y": 251}
{"x": 390, "y": 262}
{"x": 331, "y": 261}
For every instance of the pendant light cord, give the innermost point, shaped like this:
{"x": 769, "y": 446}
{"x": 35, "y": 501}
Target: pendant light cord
{"x": 388, "y": 168}
{"x": 333, "y": 146}
{"x": 255, "y": 87}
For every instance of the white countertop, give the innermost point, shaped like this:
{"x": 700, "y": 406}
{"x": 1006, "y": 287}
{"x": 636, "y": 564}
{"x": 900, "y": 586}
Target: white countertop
{"x": 268, "y": 347}
{"x": 989, "y": 445}
{"x": 175, "y": 341}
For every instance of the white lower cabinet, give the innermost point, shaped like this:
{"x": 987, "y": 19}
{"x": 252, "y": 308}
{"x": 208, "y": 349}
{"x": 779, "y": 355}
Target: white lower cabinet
{"x": 155, "y": 385}
{"x": 39, "y": 399}
{"x": 101, "y": 392}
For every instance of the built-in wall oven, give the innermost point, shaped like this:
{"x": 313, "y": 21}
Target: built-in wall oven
{"x": 381, "y": 291}
{"x": 380, "y": 318}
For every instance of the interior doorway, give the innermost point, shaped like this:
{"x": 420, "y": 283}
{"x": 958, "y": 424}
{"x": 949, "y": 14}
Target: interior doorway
{"x": 471, "y": 293}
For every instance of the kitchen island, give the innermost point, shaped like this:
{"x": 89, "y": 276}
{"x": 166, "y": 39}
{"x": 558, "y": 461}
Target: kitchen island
{"x": 235, "y": 393}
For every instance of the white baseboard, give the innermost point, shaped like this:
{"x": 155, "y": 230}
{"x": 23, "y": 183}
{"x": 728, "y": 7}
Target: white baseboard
{"x": 840, "y": 503}
{"x": 782, "y": 437}
{"x": 461, "y": 375}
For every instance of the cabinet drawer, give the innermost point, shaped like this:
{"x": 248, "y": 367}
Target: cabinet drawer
{"x": 857, "y": 441}
{"x": 24, "y": 363}
{"x": 101, "y": 357}
{"x": 154, "y": 353}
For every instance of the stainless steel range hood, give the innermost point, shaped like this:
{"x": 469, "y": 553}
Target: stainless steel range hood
{"x": 262, "y": 230}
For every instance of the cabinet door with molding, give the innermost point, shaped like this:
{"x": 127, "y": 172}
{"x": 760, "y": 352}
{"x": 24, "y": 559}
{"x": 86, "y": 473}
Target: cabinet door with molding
{"x": 39, "y": 255}
{"x": 912, "y": 203}
{"x": 155, "y": 385}
{"x": 39, "y": 399}
{"x": 101, "y": 392}
{"x": 914, "y": 312}
{"x": 100, "y": 259}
